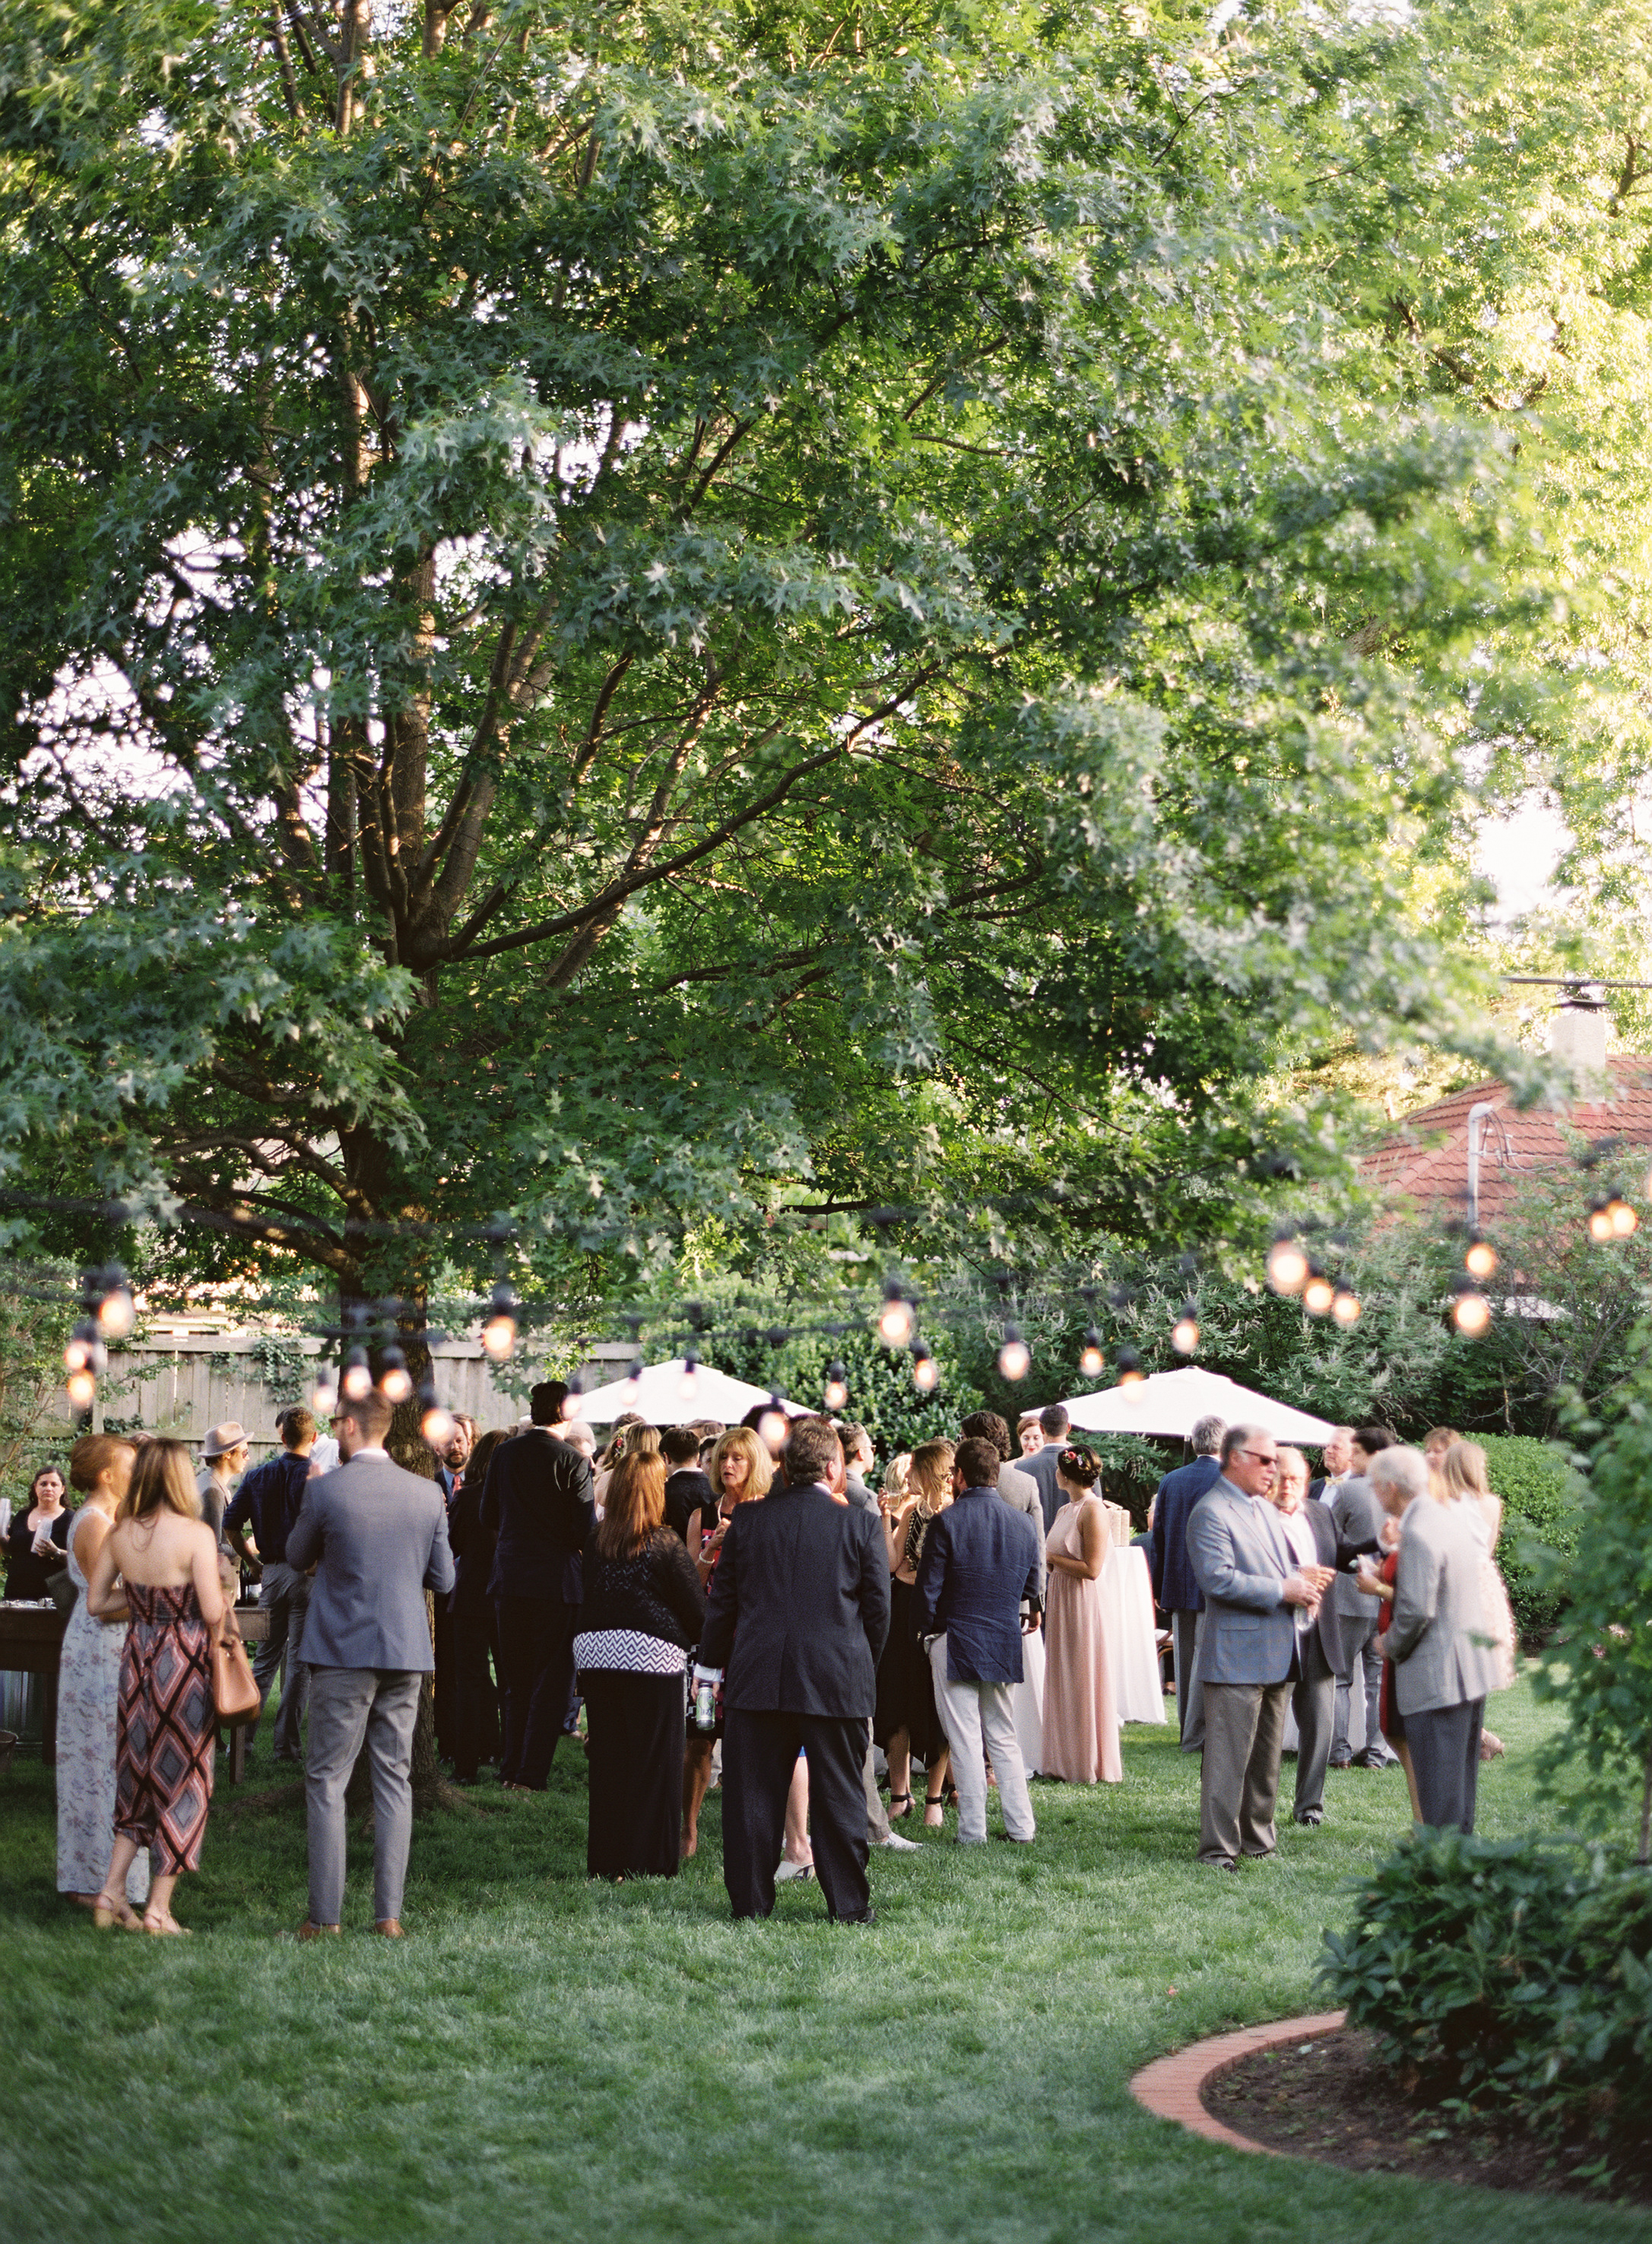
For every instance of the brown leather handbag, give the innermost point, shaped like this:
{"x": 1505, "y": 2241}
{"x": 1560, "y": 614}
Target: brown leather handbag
{"x": 234, "y": 1692}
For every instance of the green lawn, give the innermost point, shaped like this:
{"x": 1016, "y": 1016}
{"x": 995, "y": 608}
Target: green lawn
{"x": 543, "y": 2059}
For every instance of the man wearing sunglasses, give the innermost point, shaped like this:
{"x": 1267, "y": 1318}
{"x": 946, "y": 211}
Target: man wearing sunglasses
{"x": 1260, "y": 1604}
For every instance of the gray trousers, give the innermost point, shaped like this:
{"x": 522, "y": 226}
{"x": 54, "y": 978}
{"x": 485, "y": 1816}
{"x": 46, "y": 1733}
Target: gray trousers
{"x": 1185, "y": 1629}
{"x": 284, "y": 1594}
{"x": 1313, "y": 1703}
{"x": 349, "y": 1704}
{"x": 979, "y": 1718}
{"x": 1445, "y": 1750}
{"x": 1239, "y": 1775}
{"x": 876, "y": 1813}
{"x": 1361, "y": 1650}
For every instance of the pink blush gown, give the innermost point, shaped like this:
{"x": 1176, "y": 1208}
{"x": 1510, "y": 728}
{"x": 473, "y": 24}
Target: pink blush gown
{"x": 1080, "y": 1707}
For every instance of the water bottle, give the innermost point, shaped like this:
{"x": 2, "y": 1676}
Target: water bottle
{"x": 706, "y": 1682}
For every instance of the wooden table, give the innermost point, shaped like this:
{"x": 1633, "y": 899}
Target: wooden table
{"x": 31, "y": 1644}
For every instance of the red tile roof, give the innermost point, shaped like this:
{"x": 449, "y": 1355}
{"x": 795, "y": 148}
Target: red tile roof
{"x": 1425, "y": 1159}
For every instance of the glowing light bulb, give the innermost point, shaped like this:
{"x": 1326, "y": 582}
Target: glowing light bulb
{"x": 836, "y": 1390}
{"x": 1015, "y": 1357}
{"x": 895, "y": 1319}
{"x": 1287, "y": 1266}
{"x": 436, "y": 1425}
{"x": 324, "y": 1400}
{"x": 499, "y": 1329}
{"x": 1130, "y": 1371}
{"x": 1471, "y": 1311}
{"x": 1479, "y": 1259}
{"x": 1319, "y": 1293}
{"x": 357, "y": 1381}
{"x": 772, "y": 1427}
{"x": 117, "y": 1313}
{"x": 82, "y": 1385}
{"x": 926, "y": 1372}
{"x": 1184, "y": 1334}
{"x": 688, "y": 1385}
{"x": 1091, "y": 1359}
{"x": 1599, "y": 1222}
{"x": 395, "y": 1381}
{"x": 77, "y": 1354}
{"x": 633, "y": 1379}
{"x": 1345, "y": 1307}
{"x": 1625, "y": 1222}
{"x": 568, "y": 1409}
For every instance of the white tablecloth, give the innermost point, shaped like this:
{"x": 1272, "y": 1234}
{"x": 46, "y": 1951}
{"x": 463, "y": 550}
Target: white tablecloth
{"x": 1127, "y": 1596}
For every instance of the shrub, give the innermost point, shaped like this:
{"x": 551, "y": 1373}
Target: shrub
{"x": 1541, "y": 1510}
{"x": 1515, "y": 1972}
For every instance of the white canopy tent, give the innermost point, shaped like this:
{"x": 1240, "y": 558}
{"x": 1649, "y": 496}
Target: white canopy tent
{"x": 1174, "y": 1401}
{"x": 669, "y": 1394}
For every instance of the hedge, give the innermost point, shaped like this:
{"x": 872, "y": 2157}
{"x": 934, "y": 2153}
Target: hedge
{"x": 1540, "y": 1494}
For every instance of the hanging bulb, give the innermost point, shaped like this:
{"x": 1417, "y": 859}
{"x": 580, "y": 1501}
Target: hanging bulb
{"x": 499, "y": 1330}
{"x": 1091, "y": 1359}
{"x": 926, "y": 1372}
{"x": 688, "y": 1385}
{"x": 1471, "y": 1311}
{"x": 836, "y": 1393}
{"x": 82, "y": 1385}
{"x": 1319, "y": 1293}
{"x": 357, "y": 1382}
{"x": 324, "y": 1399}
{"x": 568, "y": 1410}
{"x": 895, "y": 1319}
{"x": 1184, "y": 1334}
{"x": 1130, "y": 1372}
{"x": 633, "y": 1379}
{"x": 396, "y": 1381}
{"x": 1345, "y": 1305}
{"x": 1287, "y": 1265}
{"x": 83, "y": 1349}
{"x": 1015, "y": 1357}
{"x": 117, "y": 1313}
{"x": 1599, "y": 1222}
{"x": 1480, "y": 1258}
{"x": 436, "y": 1422}
{"x": 774, "y": 1426}
{"x": 1625, "y": 1222}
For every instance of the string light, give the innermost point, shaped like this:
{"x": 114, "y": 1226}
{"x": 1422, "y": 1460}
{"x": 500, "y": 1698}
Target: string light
{"x": 1480, "y": 1258}
{"x": 837, "y": 1392}
{"x": 1184, "y": 1334}
{"x": 1288, "y": 1267}
{"x": 1130, "y": 1371}
{"x": 1319, "y": 1293}
{"x": 1599, "y": 1222}
{"x": 774, "y": 1426}
{"x": 688, "y": 1385}
{"x": 357, "y": 1382}
{"x": 1091, "y": 1362}
{"x": 568, "y": 1410}
{"x": 499, "y": 1330}
{"x": 324, "y": 1398}
{"x": 116, "y": 1311}
{"x": 436, "y": 1422}
{"x": 1471, "y": 1311}
{"x": 1625, "y": 1222}
{"x": 926, "y": 1372}
{"x": 1346, "y": 1305}
{"x": 1015, "y": 1357}
{"x": 82, "y": 1385}
{"x": 895, "y": 1319}
{"x": 633, "y": 1379}
{"x": 82, "y": 1350}
{"x": 395, "y": 1381}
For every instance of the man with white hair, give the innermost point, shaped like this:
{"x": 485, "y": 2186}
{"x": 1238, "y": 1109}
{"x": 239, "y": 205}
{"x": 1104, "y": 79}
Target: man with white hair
{"x": 1445, "y": 1662}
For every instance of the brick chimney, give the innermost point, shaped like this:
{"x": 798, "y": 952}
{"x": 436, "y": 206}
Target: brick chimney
{"x": 1577, "y": 1028}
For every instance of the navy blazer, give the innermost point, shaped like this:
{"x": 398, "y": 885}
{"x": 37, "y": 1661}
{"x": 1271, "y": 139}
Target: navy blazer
{"x": 980, "y": 1559}
{"x": 806, "y": 1579}
{"x": 1175, "y": 1586}
{"x": 537, "y": 1499}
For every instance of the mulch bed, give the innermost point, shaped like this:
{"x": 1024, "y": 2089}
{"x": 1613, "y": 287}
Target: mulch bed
{"x": 1331, "y": 2100}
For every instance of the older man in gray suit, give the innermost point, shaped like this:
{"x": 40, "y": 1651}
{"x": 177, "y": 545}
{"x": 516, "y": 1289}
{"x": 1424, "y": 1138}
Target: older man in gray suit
{"x": 377, "y": 1537}
{"x": 1444, "y": 1659}
{"x": 1258, "y": 1605}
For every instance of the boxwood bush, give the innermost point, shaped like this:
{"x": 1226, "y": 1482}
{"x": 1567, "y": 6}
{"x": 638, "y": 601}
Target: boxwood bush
{"x": 1542, "y": 1496}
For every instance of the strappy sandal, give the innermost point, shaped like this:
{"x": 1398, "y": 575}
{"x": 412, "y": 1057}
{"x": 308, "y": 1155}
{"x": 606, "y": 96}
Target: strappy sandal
{"x": 111, "y": 1909}
{"x": 934, "y": 1810}
{"x": 900, "y": 1806}
{"x": 162, "y": 1928}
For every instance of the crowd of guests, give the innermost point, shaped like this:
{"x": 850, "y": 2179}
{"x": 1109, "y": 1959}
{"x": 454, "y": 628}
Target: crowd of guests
{"x": 741, "y": 1605}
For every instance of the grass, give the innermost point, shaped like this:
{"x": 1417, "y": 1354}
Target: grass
{"x": 544, "y": 2058}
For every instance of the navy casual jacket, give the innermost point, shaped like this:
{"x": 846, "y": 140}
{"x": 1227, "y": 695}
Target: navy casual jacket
{"x": 980, "y": 1559}
{"x": 1175, "y": 1586}
{"x": 270, "y": 1497}
{"x": 539, "y": 1500}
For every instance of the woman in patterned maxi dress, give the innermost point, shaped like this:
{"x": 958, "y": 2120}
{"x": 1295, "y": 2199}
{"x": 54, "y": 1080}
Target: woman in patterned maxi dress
{"x": 89, "y": 1689}
{"x": 167, "y": 1724}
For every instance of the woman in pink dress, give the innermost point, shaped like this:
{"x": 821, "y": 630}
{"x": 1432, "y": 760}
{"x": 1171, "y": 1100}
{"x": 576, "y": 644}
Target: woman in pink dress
{"x": 1080, "y": 1708}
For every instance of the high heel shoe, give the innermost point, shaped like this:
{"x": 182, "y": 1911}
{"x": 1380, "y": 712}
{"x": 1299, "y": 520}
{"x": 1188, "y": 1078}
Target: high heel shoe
{"x": 934, "y": 1810}
{"x": 900, "y": 1806}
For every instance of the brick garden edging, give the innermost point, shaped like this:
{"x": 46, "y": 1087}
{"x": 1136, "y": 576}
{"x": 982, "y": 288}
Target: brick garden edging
{"x": 1169, "y": 2086}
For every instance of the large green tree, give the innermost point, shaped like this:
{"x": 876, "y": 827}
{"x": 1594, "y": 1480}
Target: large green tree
{"x": 643, "y": 617}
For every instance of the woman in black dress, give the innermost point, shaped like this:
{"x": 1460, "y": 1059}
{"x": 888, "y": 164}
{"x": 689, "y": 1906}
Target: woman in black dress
{"x": 45, "y": 1518}
{"x": 907, "y": 1723}
{"x": 641, "y": 1616}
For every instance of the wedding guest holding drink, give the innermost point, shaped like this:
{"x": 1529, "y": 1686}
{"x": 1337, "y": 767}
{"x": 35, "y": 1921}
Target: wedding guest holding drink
{"x": 89, "y": 1690}
{"x": 641, "y": 1617}
{"x": 160, "y": 1565}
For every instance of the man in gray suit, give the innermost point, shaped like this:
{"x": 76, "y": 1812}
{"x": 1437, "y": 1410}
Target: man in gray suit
{"x": 1443, "y": 1660}
{"x": 1358, "y": 1517}
{"x": 377, "y": 1537}
{"x": 1258, "y": 1603}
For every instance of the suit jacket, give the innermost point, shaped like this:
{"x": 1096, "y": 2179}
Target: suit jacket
{"x": 1240, "y": 1559}
{"x": 472, "y": 1549}
{"x": 377, "y": 1537}
{"x": 537, "y": 1500}
{"x": 979, "y": 1560}
{"x": 1327, "y": 1632}
{"x": 807, "y": 1580}
{"x": 1358, "y": 1517}
{"x": 1020, "y": 1491}
{"x": 1438, "y": 1611}
{"x": 687, "y": 1491}
{"x": 859, "y": 1497}
{"x": 1040, "y": 1469}
{"x": 1175, "y": 1586}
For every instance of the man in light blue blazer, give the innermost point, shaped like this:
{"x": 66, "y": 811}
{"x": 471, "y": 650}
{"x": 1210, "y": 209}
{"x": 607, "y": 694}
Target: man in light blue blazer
{"x": 1258, "y": 1605}
{"x": 376, "y": 1537}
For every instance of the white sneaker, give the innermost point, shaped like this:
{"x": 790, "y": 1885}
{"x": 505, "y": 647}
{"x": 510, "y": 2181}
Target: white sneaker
{"x": 898, "y": 1845}
{"x": 789, "y": 1870}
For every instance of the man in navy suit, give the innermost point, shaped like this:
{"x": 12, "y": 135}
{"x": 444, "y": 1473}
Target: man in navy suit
{"x": 980, "y": 1560}
{"x": 798, "y": 1612}
{"x": 1175, "y": 1590}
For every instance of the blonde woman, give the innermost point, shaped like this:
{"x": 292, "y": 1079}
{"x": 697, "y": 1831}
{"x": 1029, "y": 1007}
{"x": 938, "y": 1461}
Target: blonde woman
{"x": 162, "y": 1560}
{"x": 740, "y": 1471}
{"x": 618, "y": 1440}
{"x": 1465, "y": 1480}
{"x": 907, "y": 1721}
{"x": 89, "y": 1690}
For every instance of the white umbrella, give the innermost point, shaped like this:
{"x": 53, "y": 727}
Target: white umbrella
{"x": 1174, "y": 1401}
{"x": 669, "y": 1394}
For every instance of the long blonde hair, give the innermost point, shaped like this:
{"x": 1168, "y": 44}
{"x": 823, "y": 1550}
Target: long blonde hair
{"x": 1464, "y": 1470}
{"x": 162, "y": 1480}
{"x": 930, "y": 1475}
{"x": 897, "y": 1474}
{"x": 741, "y": 1441}
{"x": 616, "y": 1449}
